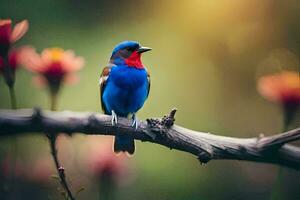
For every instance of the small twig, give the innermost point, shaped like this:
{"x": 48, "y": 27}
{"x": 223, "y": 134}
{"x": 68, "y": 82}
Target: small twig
{"x": 59, "y": 168}
{"x": 169, "y": 120}
{"x": 276, "y": 141}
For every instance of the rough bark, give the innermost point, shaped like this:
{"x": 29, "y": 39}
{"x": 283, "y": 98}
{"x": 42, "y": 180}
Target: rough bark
{"x": 206, "y": 146}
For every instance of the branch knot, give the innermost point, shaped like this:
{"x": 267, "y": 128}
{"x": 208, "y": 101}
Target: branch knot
{"x": 168, "y": 120}
{"x": 36, "y": 115}
{"x": 160, "y": 126}
{"x": 92, "y": 122}
{"x": 204, "y": 157}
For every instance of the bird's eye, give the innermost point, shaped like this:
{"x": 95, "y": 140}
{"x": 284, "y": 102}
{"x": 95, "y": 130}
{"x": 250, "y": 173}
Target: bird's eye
{"x": 131, "y": 49}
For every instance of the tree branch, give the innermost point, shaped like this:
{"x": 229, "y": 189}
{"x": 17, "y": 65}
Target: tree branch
{"x": 206, "y": 146}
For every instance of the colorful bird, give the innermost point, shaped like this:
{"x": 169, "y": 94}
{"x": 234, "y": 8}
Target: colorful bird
{"x": 124, "y": 87}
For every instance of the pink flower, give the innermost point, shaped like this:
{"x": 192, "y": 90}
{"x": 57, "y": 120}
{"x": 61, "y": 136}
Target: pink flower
{"x": 102, "y": 163}
{"x": 282, "y": 87}
{"x": 9, "y": 167}
{"x": 9, "y": 35}
{"x": 39, "y": 171}
{"x": 53, "y": 66}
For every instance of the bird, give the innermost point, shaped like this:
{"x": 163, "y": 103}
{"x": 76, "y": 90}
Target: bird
{"x": 124, "y": 87}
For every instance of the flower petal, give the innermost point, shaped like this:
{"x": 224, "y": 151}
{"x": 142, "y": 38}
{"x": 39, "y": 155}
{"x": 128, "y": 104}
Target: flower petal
{"x": 30, "y": 59}
{"x": 19, "y": 30}
{"x": 4, "y": 22}
{"x": 71, "y": 63}
{"x": 13, "y": 58}
{"x": 39, "y": 81}
{"x": 283, "y": 87}
{"x": 5, "y": 31}
{"x": 71, "y": 79}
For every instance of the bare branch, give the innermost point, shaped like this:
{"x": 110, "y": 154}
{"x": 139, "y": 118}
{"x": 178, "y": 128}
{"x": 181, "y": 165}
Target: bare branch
{"x": 278, "y": 140}
{"x": 205, "y": 146}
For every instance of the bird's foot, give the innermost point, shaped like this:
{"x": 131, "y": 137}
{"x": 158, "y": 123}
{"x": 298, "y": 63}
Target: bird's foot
{"x": 114, "y": 118}
{"x": 135, "y": 122}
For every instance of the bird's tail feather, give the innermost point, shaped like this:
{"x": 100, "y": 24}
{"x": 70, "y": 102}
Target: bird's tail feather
{"x": 124, "y": 143}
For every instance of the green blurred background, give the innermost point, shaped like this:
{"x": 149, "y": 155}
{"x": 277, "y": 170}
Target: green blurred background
{"x": 206, "y": 59}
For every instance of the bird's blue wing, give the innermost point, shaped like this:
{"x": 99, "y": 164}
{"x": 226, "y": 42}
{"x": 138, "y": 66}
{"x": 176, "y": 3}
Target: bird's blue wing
{"x": 149, "y": 82}
{"x": 102, "y": 83}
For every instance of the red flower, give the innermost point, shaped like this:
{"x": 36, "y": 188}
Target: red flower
{"x": 282, "y": 88}
{"x": 54, "y": 65}
{"x": 13, "y": 60}
{"x": 37, "y": 171}
{"x": 9, "y": 65}
{"x": 9, "y": 35}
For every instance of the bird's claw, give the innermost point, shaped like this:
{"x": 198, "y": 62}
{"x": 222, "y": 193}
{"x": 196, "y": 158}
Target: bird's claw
{"x": 114, "y": 118}
{"x": 135, "y": 122}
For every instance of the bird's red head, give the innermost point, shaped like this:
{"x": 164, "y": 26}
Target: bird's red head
{"x": 128, "y": 53}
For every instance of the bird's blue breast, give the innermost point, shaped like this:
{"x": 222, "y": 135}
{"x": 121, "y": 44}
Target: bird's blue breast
{"x": 126, "y": 90}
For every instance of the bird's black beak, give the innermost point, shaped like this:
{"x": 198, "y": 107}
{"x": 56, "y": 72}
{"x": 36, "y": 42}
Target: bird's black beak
{"x": 143, "y": 49}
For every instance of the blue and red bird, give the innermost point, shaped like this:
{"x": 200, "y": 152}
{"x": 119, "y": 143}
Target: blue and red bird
{"x": 124, "y": 87}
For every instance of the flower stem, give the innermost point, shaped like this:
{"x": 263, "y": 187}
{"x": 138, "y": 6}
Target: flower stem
{"x": 52, "y": 140}
{"x": 13, "y": 100}
{"x": 277, "y": 192}
{"x": 107, "y": 187}
{"x": 277, "y": 186}
{"x": 53, "y": 103}
{"x": 9, "y": 77}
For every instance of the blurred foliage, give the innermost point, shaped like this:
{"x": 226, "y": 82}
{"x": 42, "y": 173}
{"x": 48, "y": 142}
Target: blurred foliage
{"x": 206, "y": 59}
